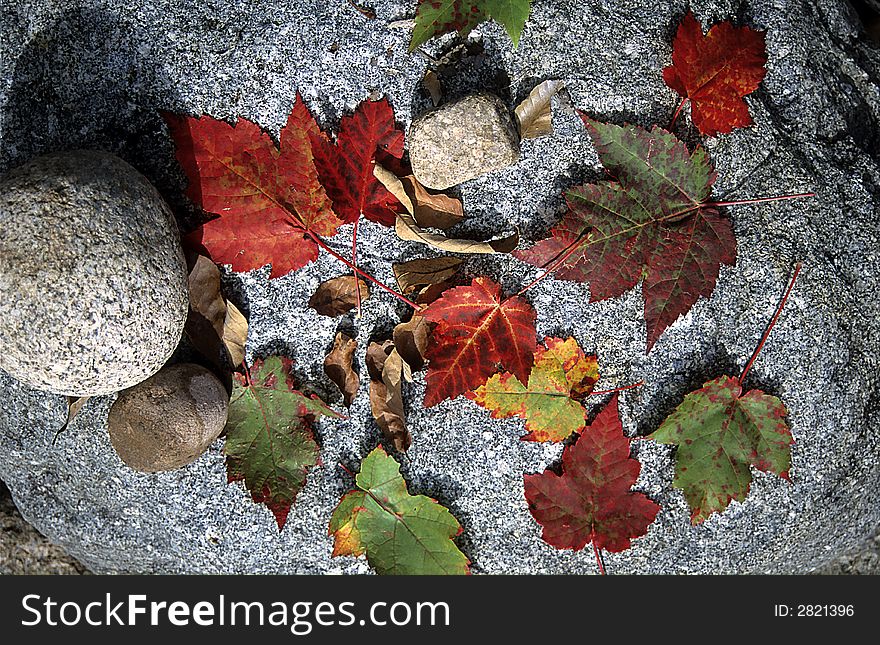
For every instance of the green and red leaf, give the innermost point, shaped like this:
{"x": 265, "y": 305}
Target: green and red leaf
{"x": 270, "y": 442}
{"x": 436, "y": 17}
{"x": 562, "y": 373}
{"x": 653, "y": 224}
{"x": 720, "y": 432}
{"x": 401, "y": 534}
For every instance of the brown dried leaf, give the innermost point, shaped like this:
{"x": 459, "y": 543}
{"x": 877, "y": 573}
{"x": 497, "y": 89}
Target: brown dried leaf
{"x": 533, "y": 115}
{"x": 411, "y": 341}
{"x": 426, "y": 209}
{"x": 429, "y": 209}
{"x": 215, "y": 327}
{"x": 338, "y": 296}
{"x": 431, "y": 82}
{"x": 338, "y": 366}
{"x": 235, "y": 331}
{"x": 74, "y": 405}
{"x": 386, "y": 396}
{"x": 377, "y": 354}
{"x": 408, "y": 229}
{"x": 416, "y": 275}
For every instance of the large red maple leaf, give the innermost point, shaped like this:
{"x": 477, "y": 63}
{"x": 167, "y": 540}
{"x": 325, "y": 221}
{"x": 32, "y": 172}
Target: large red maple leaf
{"x": 345, "y": 167}
{"x": 653, "y": 224}
{"x": 591, "y": 500}
{"x": 476, "y": 333}
{"x": 269, "y": 200}
{"x": 715, "y": 71}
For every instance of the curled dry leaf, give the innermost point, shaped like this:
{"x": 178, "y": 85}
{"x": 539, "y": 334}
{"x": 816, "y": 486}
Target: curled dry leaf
{"x": 235, "y": 331}
{"x": 377, "y": 353}
{"x": 387, "y": 371}
{"x": 534, "y": 116}
{"x": 338, "y": 366}
{"x": 430, "y": 209}
{"x": 338, "y": 296}
{"x": 408, "y": 229}
{"x": 215, "y": 327}
{"x": 425, "y": 278}
{"x": 411, "y": 341}
{"x": 74, "y": 405}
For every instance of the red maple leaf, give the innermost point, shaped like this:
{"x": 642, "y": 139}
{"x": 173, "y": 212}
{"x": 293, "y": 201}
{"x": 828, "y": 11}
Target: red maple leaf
{"x": 345, "y": 167}
{"x": 591, "y": 500}
{"x": 476, "y": 333}
{"x": 270, "y": 203}
{"x": 654, "y": 224}
{"x": 715, "y": 71}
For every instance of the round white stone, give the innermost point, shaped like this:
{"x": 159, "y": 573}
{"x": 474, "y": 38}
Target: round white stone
{"x": 92, "y": 276}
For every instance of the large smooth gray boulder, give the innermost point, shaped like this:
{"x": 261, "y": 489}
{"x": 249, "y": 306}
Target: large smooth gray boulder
{"x": 92, "y": 277}
{"x": 816, "y": 118}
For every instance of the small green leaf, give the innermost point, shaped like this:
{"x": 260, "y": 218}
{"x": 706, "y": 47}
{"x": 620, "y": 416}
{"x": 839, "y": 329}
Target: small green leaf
{"x": 401, "y": 534}
{"x": 435, "y": 17}
{"x": 720, "y": 432}
{"x": 269, "y": 438}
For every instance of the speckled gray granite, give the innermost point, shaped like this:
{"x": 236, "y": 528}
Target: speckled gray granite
{"x": 92, "y": 276}
{"x": 23, "y": 551}
{"x": 96, "y": 74}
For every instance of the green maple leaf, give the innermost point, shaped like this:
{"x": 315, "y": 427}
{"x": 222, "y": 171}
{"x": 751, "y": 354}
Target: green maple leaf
{"x": 561, "y": 371}
{"x": 720, "y": 432}
{"x": 401, "y": 534}
{"x": 269, "y": 436}
{"x": 435, "y": 17}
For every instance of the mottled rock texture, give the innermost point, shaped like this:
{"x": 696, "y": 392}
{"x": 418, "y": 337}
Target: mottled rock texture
{"x": 97, "y": 74}
{"x": 463, "y": 140}
{"x": 92, "y": 277}
{"x": 170, "y": 419}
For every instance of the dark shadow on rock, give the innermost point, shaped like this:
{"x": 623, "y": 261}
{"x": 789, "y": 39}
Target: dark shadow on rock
{"x": 712, "y": 363}
{"x": 465, "y": 69}
{"x": 82, "y": 84}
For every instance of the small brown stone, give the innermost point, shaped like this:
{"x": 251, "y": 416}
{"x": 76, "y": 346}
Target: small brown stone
{"x": 170, "y": 419}
{"x": 462, "y": 141}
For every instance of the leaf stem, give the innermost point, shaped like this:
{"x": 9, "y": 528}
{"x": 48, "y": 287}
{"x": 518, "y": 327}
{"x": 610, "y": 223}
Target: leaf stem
{"x": 317, "y": 240}
{"x": 345, "y": 469}
{"x": 354, "y": 250}
{"x": 599, "y": 559}
{"x": 759, "y": 200}
{"x": 617, "y": 389}
{"x": 677, "y": 112}
{"x": 797, "y": 270}
{"x": 554, "y": 265}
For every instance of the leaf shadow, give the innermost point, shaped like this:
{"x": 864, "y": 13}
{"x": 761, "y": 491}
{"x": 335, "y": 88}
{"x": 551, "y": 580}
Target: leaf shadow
{"x": 714, "y": 362}
{"x": 464, "y": 68}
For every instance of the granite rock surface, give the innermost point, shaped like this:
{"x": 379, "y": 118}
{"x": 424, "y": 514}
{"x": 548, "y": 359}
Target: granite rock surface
{"x": 96, "y": 74}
